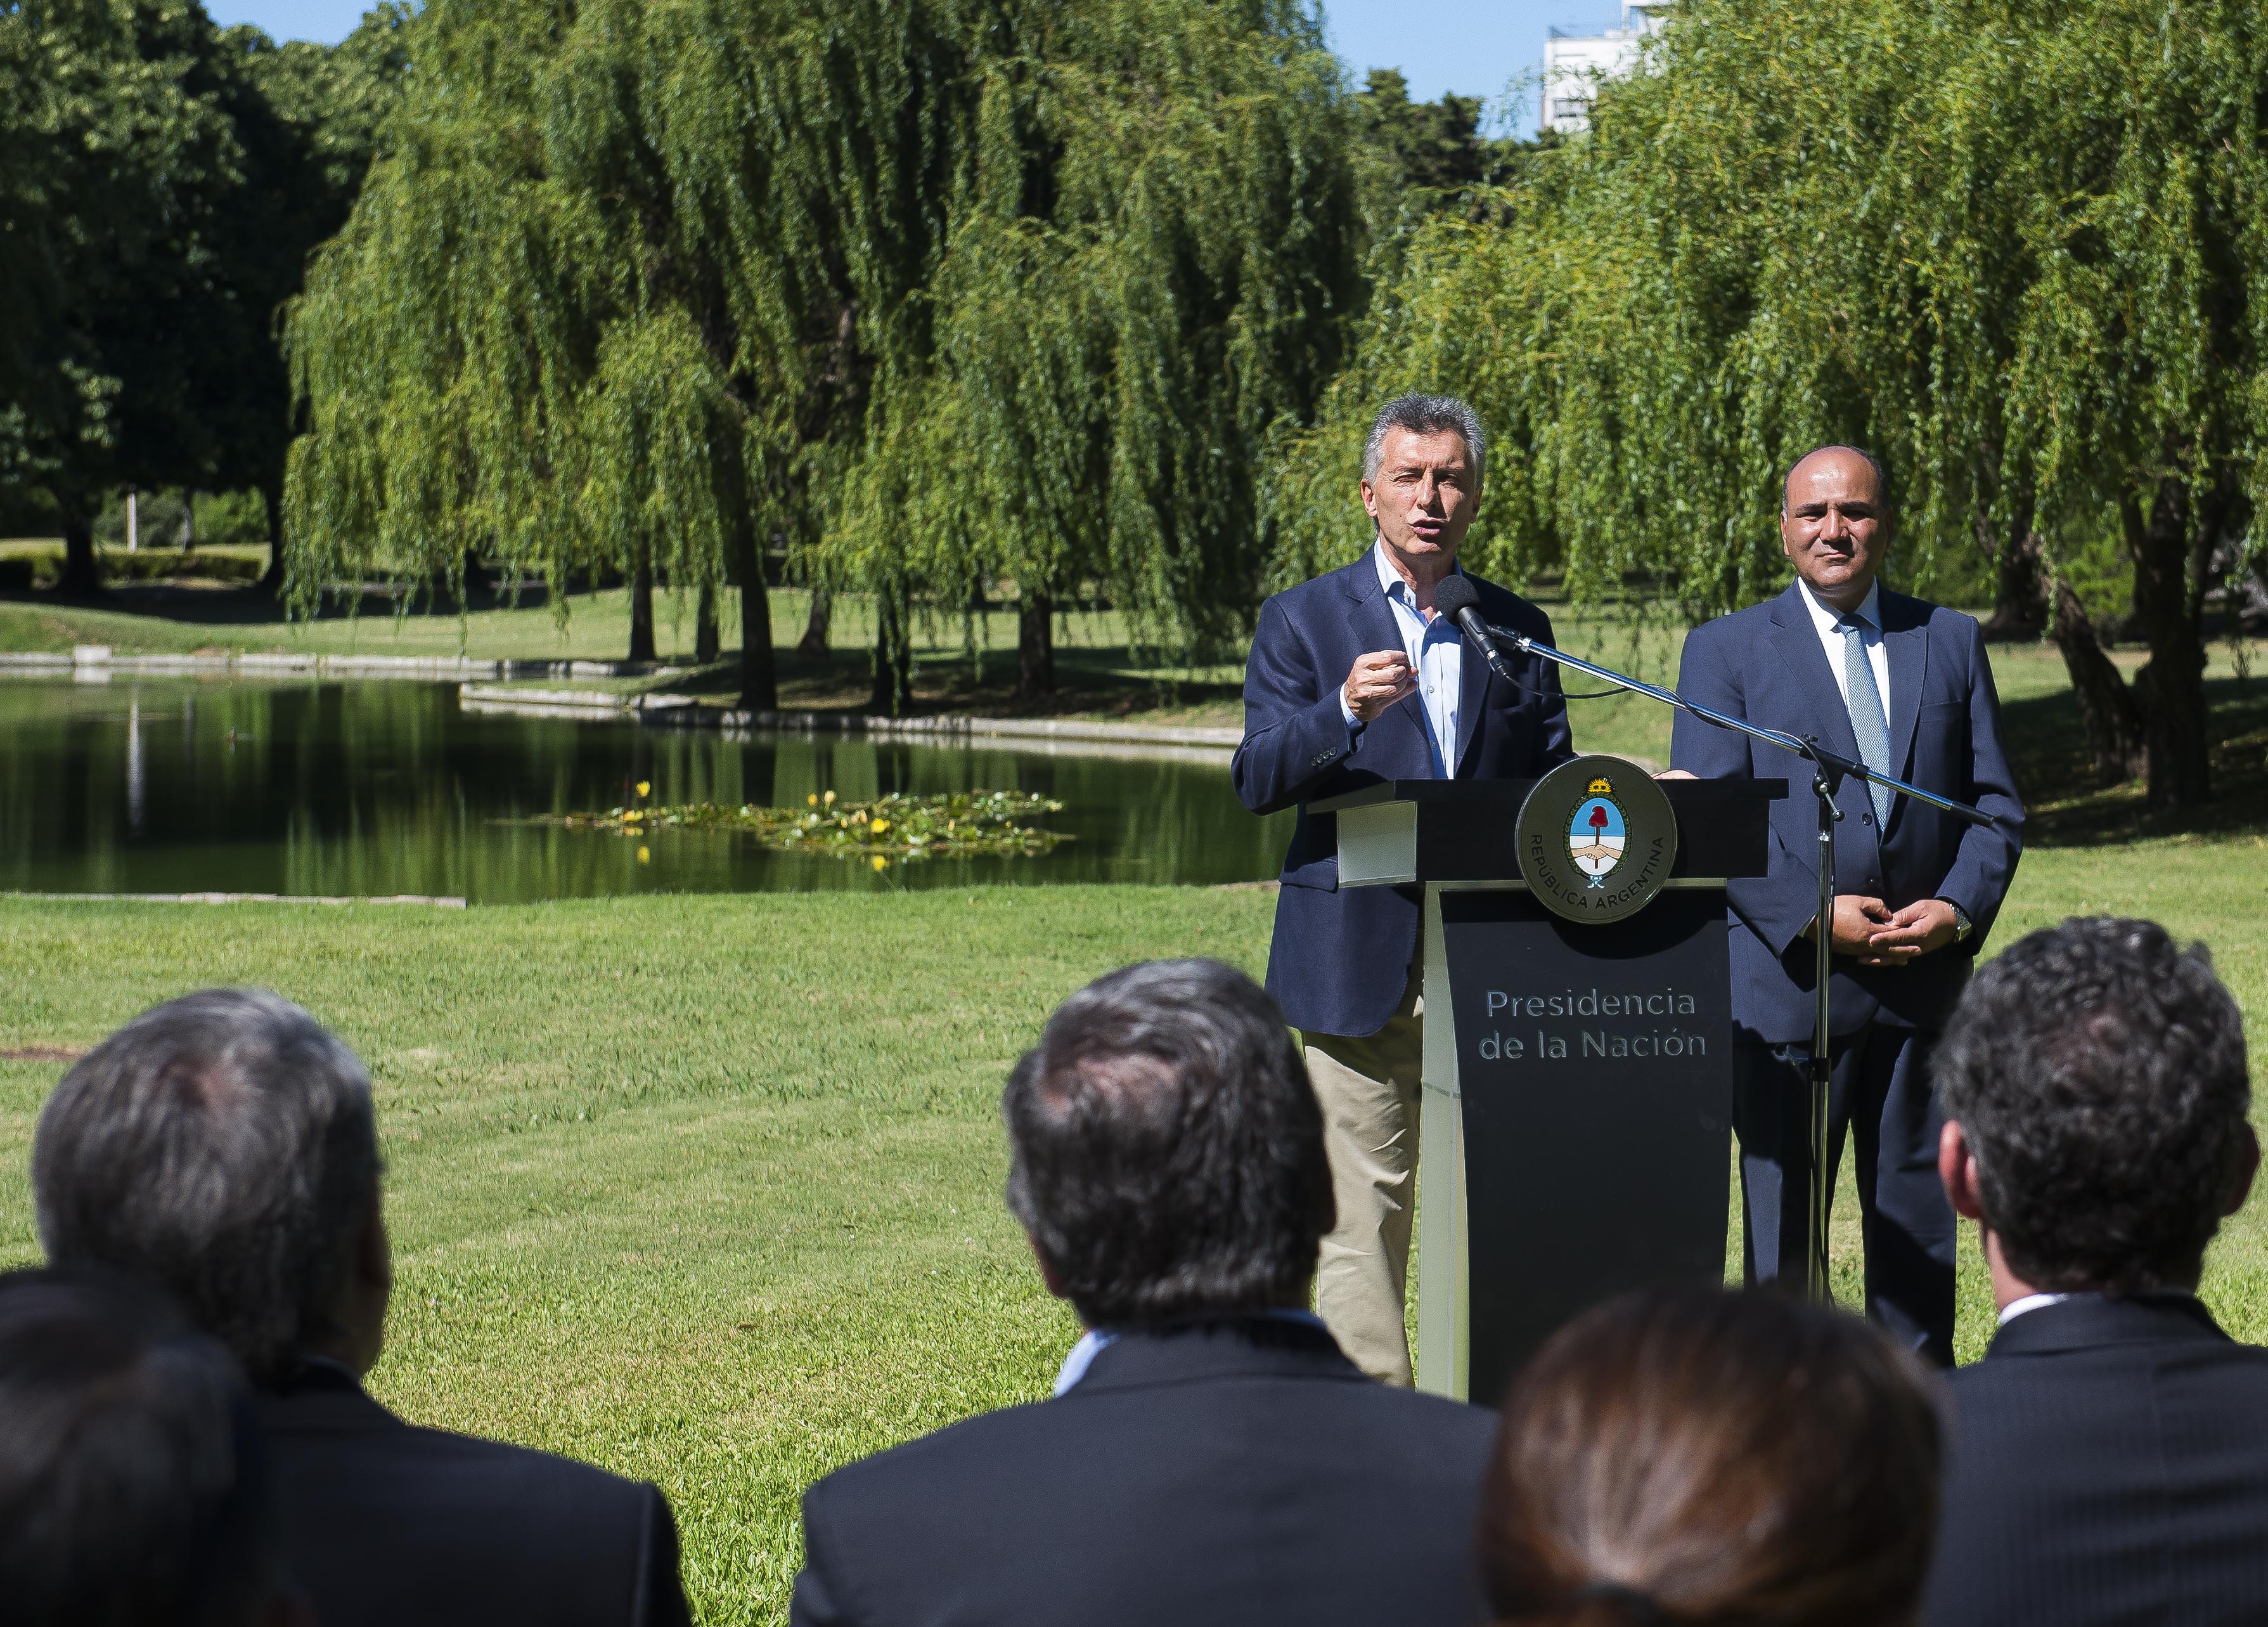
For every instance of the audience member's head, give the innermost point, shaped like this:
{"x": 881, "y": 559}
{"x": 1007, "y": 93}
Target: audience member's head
{"x": 132, "y": 1481}
{"x": 2095, "y": 1078}
{"x": 1165, "y": 1151}
{"x": 223, "y": 1146}
{"x": 1701, "y": 1456}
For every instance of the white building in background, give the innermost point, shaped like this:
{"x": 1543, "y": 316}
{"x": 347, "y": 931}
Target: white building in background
{"x": 1573, "y": 64}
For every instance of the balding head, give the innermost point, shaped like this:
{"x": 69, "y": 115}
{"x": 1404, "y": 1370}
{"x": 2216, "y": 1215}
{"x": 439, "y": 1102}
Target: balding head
{"x": 1835, "y": 523}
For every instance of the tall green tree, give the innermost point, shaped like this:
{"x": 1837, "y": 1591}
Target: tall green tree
{"x": 935, "y": 292}
{"x": 162, "y": 184}
{"x": 2016, "y": 249}
{"x": 122, "y": 152}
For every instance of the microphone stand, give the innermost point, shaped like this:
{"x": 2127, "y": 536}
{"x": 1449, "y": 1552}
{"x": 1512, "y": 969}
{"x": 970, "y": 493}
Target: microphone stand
{"x": 1829, "y": 770}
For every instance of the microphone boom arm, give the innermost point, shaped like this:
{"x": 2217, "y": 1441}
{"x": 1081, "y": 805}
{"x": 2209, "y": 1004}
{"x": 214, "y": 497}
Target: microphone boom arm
{"x": 1832, "y": 764}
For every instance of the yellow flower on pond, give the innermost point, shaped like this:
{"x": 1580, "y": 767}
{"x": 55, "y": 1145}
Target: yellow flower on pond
{"x": 829, "y": 799}
{"x": 644, "y": 857}
{"x": 634, "y": 816}
{"x": 879, "y": 827}
{"x": 645, "y": 786}
{"x": 881, "y": 863}
{"x": 812, "y": 799}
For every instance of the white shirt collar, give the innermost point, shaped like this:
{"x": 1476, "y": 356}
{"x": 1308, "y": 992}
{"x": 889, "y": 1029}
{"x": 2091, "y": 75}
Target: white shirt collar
{"x": 2029, "y": 1302}
{"x": 1390, "y": 579}
{"x": 1095, "y": 1341}
{"x": 1825, "y": 615}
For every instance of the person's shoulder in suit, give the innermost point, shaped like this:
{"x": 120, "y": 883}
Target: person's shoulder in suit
{"x": 1167, "y": 1493}
{"x": 2093, "y": 1433}
{"x": 383, "y": 1520}
{"x": 1901, "y": 610}
{"x": 1305, "y": 598}
{"x": 1737, "y": 631}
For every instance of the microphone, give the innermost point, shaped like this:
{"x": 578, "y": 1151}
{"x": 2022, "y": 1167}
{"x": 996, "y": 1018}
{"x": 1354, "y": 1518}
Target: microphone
{"x": 1455, "y": 598}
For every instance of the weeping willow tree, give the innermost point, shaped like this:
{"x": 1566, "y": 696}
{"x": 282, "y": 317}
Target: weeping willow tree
{"x": 615, "y": 289}
{"x": 2014, "y": 249}
{"x": 936, "y": 293}
{"x": 1157, "y": 260}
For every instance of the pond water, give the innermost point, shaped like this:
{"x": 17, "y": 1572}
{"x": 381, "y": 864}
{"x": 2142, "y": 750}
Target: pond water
{"x": 387, "y": 786}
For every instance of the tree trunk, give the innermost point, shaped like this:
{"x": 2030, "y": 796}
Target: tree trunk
{"x": 2171, "y": 551}
{"x": 704, "y": 626}
{"x": 271, "y": 580}
{"x": 82, "y": 575}
{"x": 812, "y": 645}
{"x": 893, "y": 656}
{"x": 2019, "y": 599}
{"x": 188, "y": 519}
{"x": 759, "y": 676}
{"x": 1035, "y": 646}
{"x": 642, "y": 612}
{"x": 2108, "y": 709}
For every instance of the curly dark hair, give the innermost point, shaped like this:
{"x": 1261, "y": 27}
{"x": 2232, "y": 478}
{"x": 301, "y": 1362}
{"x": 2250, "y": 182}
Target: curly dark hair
{"x": 1165, "y": 1151}
{"x": 2098, "y": 1073}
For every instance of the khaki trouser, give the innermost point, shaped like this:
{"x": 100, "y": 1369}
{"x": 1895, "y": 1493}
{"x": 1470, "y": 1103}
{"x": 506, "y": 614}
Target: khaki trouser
{"x": 1368, "y": 1088}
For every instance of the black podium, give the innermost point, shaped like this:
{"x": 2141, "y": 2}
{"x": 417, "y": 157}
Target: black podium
{"x": 1574, "y": 1138}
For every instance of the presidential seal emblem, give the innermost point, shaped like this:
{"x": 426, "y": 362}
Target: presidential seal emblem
{"x": 1596, "y": 840}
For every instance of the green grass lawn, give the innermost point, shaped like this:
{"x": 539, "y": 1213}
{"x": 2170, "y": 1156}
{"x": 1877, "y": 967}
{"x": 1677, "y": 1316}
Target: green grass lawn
{"x": 707, "y": 1190}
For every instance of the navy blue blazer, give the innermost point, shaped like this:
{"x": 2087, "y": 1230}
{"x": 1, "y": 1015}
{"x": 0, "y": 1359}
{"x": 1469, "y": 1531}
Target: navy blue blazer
{"x": 1766, "y": 665}
{"x": 383, "y": 1523}
{"x": 1338, "y": 958}
{"x": 1216, "y": 1475}
{"x": 2109, "y": 1465}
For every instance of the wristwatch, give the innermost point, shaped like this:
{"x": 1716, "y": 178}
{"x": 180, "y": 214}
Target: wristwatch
{"x": 1963, "y": 929}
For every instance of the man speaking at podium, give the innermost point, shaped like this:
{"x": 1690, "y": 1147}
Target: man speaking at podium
{"x": 1904, "y": 687}
{"x": 1352, "y": 680}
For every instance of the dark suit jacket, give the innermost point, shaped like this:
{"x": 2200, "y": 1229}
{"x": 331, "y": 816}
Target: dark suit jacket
{"x": 384, "y": 1524}
{"x": 1236, "y": 1473}
{"x": 1766, "y": 665}
{"x": 2110, "y": 1467}
{"x": 1337, "y": 960}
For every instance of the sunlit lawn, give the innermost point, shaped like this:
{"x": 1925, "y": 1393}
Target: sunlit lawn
{"x": 707, "y": 1189}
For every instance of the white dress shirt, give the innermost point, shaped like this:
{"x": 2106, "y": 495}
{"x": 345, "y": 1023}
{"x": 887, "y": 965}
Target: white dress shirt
{"x": 1823, "y": 616}
{"x": 1095, "y": 1341}
{"x": 1436, "y": 651}
{"x": 2029, "y": 1303}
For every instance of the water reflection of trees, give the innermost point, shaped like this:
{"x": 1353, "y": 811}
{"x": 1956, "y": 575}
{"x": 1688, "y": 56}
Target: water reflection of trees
{"x": 383, "y": 788}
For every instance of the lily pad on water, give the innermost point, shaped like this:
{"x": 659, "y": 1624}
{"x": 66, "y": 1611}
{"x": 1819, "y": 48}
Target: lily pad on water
{"x": 953, "y": 825}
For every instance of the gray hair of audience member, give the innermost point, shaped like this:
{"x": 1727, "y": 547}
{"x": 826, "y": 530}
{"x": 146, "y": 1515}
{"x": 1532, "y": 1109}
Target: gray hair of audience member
{"x": 1692, "y": 1455}
{"x": 1165, "y": 1151}
{"x": 1426, "y": 415}
{"x": 2097, "y": 1071}
{"x": 133, "y": 1485}
{"x": 225, "y": 1147}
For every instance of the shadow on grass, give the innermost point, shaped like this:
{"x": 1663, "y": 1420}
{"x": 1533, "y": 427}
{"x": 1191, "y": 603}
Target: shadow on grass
{"x": 2067, "y": 808}
{"x": 252, "y": 606}
{"x": 1089, "y": 680}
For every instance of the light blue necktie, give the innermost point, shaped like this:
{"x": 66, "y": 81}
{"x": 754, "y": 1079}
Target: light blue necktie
{"x": 1868, "y": 722}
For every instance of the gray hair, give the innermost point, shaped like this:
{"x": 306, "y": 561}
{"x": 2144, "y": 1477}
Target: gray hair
{"x": 1426, "y": 415}
{"x": 1166, "y": 1149}
{"x": 223, "y": 1146}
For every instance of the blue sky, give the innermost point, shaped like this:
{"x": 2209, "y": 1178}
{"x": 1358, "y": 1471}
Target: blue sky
{"x": 1476, "y": 48}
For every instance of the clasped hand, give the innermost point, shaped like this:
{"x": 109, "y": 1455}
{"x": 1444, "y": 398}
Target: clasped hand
{"x": 1377, "y": 681}
{"x": 1875, "y": 935}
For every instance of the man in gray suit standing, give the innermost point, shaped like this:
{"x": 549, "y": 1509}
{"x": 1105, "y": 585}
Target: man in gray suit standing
{"x": 1903, "y": 686}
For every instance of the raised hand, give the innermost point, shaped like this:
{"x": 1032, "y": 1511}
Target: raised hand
{"x": 1376, "y": 681}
